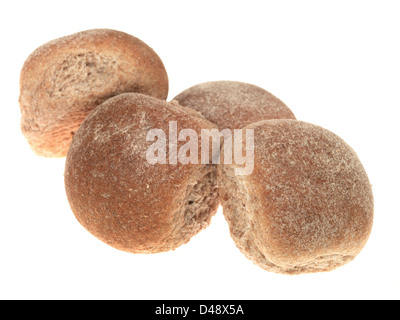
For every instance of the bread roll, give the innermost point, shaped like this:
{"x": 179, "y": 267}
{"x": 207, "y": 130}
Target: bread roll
{"x": 63, "y": 80}
{"x": 233, "y": 105}
{"x": 308, "y": 204}
{"x": 124, "y": 200}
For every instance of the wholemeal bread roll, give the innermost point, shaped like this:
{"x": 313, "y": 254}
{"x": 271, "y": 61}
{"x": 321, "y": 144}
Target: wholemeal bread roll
{"x": 306, "y": 207}
{"x": 123, "y": 199}
{"x": 63, "y": 80}
{"x": 232, "y": 104}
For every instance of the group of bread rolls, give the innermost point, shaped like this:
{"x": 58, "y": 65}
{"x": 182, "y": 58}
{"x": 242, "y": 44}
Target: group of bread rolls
{"x": 94, "y": 95}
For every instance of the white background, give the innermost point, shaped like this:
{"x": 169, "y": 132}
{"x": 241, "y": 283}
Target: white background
{"x": 334, "y": 63}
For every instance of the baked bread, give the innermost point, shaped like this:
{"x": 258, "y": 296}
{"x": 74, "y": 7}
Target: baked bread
{"x": 63, "y": 80}
{"x": 232, "y": 104}
{"x": 308, "y": 204}
{"x": 124, "y": 200}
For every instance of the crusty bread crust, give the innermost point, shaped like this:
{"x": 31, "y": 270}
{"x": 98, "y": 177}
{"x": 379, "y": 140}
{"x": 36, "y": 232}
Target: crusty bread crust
{"x": 232, "y": 104}
{"x": 307, "y": 206}
{"x": 122, "y": 199}
{"x": 63, "y": 80}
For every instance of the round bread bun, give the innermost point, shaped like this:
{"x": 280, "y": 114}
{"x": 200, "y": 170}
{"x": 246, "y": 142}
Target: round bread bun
{"x": 232, "y": 104}
{"x": 123, "y": 199}
{"x": 63, "y": 80}
{"x": 306, "y": 207}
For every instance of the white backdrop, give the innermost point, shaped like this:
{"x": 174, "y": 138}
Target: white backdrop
{"x": 334, "y": 63}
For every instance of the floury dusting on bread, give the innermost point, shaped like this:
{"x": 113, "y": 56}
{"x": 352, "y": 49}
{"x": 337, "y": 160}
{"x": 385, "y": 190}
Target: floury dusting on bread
{"x": 308, "y": 205}
{"x": 233, "y": 104}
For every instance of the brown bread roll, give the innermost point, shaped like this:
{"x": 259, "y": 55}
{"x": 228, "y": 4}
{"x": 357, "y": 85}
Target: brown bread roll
{"x": 63, "y": 80}
{"x": 308, "y": 204}
{"x": 124, "y": 200}
{"x": 232, "y": 104}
